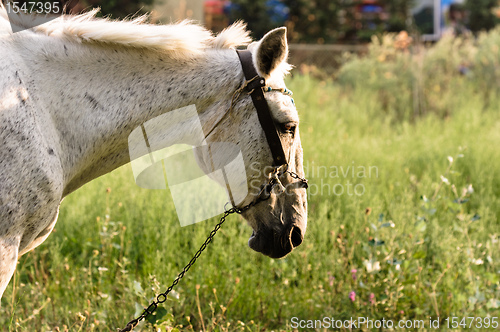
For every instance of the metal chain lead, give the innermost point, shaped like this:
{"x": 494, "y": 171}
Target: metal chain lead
{"x": 163, "y": 296}
{"x": 264, "y": 195}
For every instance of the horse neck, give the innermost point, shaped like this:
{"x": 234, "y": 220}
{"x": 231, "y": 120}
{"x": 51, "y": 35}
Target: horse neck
{"x": 96, "y": 96}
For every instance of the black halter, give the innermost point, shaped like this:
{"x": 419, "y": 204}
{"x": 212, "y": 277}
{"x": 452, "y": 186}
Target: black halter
{"x": 255, "y": 83}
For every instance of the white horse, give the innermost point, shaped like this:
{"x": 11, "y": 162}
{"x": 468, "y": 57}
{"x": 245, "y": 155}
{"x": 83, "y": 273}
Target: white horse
{"x": 72, "y": 91}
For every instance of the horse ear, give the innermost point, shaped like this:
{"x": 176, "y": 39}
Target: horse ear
{"x": 271, "y": 51}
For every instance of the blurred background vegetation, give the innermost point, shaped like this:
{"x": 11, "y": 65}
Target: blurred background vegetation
{"x": 482, "y": 14}
{"x": 113, "y": 8}
{"x": 325, "y": 21}
{"x": 308, "y": 21}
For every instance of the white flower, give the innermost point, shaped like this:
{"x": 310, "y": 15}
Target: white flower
{"x": 470, "y": 190}
{"x": 478, "y": 261}
{"x": 372, "y": 266}
{"x": 445, "y": 180}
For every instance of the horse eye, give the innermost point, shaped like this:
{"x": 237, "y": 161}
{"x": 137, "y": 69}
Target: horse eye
{"x": 288, "y": 127}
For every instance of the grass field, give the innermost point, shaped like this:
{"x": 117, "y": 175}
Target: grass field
{"x": 412, "y": 233}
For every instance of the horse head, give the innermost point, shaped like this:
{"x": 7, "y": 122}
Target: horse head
{"x": 278, "y": 223}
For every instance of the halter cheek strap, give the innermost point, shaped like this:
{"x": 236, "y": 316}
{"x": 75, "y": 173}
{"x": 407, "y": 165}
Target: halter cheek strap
{"x": 254, "y": 85}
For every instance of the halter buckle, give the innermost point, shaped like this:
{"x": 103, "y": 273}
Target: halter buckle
{"x": 254, "y": 83}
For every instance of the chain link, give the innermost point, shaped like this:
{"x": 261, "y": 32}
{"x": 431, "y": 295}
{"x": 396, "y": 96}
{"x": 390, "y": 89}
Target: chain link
{"x": 294, "y": 175}
{"x": 264, "y": 195}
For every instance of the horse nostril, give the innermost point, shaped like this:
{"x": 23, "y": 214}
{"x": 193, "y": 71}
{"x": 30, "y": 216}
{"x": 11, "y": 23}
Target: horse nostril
{"x": 296, "y": 236}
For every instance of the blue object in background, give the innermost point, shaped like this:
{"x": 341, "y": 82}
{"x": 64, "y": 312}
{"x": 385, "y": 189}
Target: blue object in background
{"x": 445, "y": 8}
{"x": 231, "y": 10}
{"x": 372, "y": 9}
{"x": 277, "y": 11}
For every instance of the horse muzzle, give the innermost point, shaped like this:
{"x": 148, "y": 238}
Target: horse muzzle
{"x": 276, "y": 244}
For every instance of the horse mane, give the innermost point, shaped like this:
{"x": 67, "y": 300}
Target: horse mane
{"x": 183, "y": 39}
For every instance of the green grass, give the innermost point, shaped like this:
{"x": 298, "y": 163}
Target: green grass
{"x": 421, "y": 250}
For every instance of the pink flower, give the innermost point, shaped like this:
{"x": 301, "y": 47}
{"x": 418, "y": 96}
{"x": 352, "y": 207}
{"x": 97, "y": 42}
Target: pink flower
{"x": 331, "y": 279}
{"x": 352, "y": 296}
{"x": 372, "y": 298}
{"x": 353, "y": 274}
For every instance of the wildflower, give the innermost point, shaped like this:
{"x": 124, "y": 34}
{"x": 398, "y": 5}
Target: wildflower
{"x": 353, "y": 274}
{"x": 352, "y": 296}
{"x": 372, "y": 266}
{"x": 372, "y": 298}
{"x": 330, "y": 279}
{"x": 470, "y": 189}
{"x": 478, "y": 261}
{"x": 81, "y": 317}
{"x": 403, "y": 41}
{"x": 445, "y": 180}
